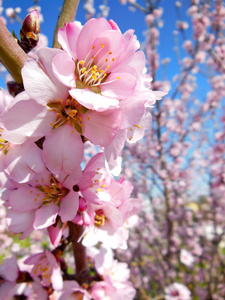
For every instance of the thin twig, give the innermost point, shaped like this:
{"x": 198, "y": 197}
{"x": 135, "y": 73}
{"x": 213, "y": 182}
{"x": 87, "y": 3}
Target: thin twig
{"x": 68, "y": 14}
{"x": 79, "y": 252}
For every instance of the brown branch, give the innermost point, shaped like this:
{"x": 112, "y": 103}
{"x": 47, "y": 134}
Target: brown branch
{"x": 79, "y": 252}
{"x": 11, "y": 55}
{"x": 67, "y": 14}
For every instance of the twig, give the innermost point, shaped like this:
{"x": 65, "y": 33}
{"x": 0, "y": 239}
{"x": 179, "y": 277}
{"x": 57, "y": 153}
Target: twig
{"x": 68, "y": 14}
{"x": 11, "y": 55}
{"x": 79, "y": 252}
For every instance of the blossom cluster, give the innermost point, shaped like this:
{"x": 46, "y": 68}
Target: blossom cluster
{"x": 93, "y": 89}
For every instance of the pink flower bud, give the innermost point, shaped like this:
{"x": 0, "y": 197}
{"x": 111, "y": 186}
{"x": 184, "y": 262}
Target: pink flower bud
{"x": 31, "y": 23}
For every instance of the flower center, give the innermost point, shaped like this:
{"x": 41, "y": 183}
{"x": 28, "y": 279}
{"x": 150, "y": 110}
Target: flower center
{"x": 100, "y": 218}
{"x": 45, "y": 270}
{"x": 68, "y": 112}
{"x": 54, "y": 192}
{"x": 93, "y": 71}
{"x": 4, "y": 145}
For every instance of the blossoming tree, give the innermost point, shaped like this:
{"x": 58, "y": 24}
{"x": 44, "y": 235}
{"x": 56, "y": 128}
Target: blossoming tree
{"x": 91, "y": 86}
{"x": 77, "y": 115}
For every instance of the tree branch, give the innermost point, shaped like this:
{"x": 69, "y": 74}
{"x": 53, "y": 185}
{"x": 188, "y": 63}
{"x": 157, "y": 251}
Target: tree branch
{"x": 79, "y": 252}
{"x": 11, "y": 55}
{"x": 68, "y": 14}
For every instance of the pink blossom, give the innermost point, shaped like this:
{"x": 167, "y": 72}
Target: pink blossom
{"x": 106, "y": 66}
{"x": 71, "y": 289}
{"x": 108, "y": 205}
{"x": 186, "y": 258}
{"x": 9, "y": 272}
{"x": 177, "y": 291}
{"x": 46, "y": 266}
{"x": 38, "y": 203}
{"x": 48, "y": 110}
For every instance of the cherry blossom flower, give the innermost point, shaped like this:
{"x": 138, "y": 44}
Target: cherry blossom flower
{"x": 9, "y": 272}
{"x": 105, "y": 63}
{"x": 177, "y": 291}
{"x": 71, "y": 289}
{"x": 108, "y": 205}
{"x": 38, "y": 203}
{"x": 116, "y": 277}
{"x": 186, "y": 257}
{"x": 46, "y": 266}
{"x": 48, "y": 110}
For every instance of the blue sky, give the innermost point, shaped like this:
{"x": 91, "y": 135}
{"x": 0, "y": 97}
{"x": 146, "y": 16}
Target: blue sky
{"x": 120, "y": 14}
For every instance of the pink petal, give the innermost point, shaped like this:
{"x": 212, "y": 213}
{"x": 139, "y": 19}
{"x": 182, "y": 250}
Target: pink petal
{"x": 86, "y": 180}
{"x": 55, "y": 234}
{"x": 40, "y": 86}
{"x": 23, "y": 161}
{"x": 34, "y": 259}
{"x": 46, "y": 55}
{"x": 133, "y": 64}
{"x": 18, "y": 221}
{"x": 63, "y": 150}
{"x": 88, "y": 35}
{"x": 25, "y": 199}
{"x": 45, "y": 216}
{"x": 133, "y": 109}
{"x": 112, "y": 53}
{"x": 113, "y": 150}
{"x": 92, "y": 100}
{"x": 51, "y": 259}
{"x": 67, "y": 37}
{"x": 5, "y": 289}
{"x": 72, "y": 179}
{"x": 9, "y": 269}
{"x": 56, "y": 279}
{"x": 100, "y": 128}
{"x": 26, "y": 119}
{"x": 69, "y": 206}
{"x": 63, "y": 67}
{"x": 118, "y": 88}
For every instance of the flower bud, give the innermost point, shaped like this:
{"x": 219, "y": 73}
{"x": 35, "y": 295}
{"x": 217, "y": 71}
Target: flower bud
{"x": 30, "y": 30}
{"x": 31, "y": 24}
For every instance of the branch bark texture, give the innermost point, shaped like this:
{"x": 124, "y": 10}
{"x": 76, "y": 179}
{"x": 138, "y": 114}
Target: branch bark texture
{"x": 11, "y": 55}
{"x": 79, "y": 252}
{"x": 68, "y": 14}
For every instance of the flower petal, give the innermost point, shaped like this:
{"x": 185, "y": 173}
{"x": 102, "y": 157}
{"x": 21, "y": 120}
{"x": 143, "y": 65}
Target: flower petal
{"x": 69, "y": 206}
{"x": 45, "y": 216}
{"x": 63, "y": 67}
{"x": 18, "y": 221}
{"x": 23, "y": 161}
{"x": 88, "y": 34}
{"x": 25, "y": 199}
{"x": 26, "y": 119}
{"x": 55, "y": 234}
{"x": 40, "y": 86}
{"x": 118, "y": 85}
{"x": 63, "y": 150}
{"x": 92, "y": 100}
{"x": 67, "y": 37}
{"x": 100, "y": 128}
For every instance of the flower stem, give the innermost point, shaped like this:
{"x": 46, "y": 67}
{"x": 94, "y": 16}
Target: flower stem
{"x": 68, "y": 14}
{"x": 11, "y": 55}
{"x": 79, "y": 252}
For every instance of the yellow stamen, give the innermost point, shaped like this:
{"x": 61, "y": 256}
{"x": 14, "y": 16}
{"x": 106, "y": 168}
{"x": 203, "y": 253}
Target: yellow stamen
{"x": 137, "y": 126}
